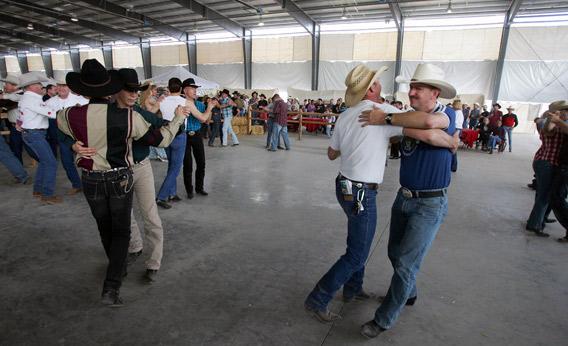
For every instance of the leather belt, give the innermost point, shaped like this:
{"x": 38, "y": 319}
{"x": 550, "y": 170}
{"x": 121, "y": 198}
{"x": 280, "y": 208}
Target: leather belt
{"x": 407, "y": 193}
{"x": 370, "y": 186}
{"x": 111, "y": 174}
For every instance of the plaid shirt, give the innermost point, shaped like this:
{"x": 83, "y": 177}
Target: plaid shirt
{"x": 226, "y": 112}
{"x": 550, "y": 148}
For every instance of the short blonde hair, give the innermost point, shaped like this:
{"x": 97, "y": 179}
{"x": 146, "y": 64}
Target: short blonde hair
{"x": 457, "y": 104}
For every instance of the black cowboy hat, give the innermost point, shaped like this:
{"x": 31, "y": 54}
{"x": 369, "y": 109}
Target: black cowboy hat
{"x": 190, "y": 82}
{"x": 130, "y": 79}
{"x": 225, "y": 91}
{"x": 94, "y": 80}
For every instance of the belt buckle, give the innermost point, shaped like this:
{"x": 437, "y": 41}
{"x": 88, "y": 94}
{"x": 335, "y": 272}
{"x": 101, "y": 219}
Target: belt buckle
{"x": 191, "y": 133}
{"x": 406, "y": 192}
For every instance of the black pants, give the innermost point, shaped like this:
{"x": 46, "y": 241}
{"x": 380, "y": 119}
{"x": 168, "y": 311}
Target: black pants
{"x": 110, "y": 199}
{"x": 194, "y": 145}
{"x": 558, "y": 193}
{"x": 395, "y": 149}
{"x": 215, "y": 131}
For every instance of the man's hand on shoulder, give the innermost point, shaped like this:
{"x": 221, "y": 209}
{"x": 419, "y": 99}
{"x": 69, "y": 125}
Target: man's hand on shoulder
{"x": 372, "y": 117}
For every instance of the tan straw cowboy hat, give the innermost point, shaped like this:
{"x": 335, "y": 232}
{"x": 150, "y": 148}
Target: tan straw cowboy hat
{"x": 556, "y": 106}
{"x": 433, "y": 76}
{"x": 32, "y": 78}
{"x": 358, "y": 81}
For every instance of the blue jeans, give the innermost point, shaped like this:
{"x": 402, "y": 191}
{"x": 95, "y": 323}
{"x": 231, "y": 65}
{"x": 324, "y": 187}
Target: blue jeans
{"x": 68, "y": 162}
{"x": 277, "y": 131}
{"x": 51, "y": 136}
{"x": 543, "y": 171}
{"x": 269, "y": 126}
{"x": 509, "y": 132}
{"x": 349, "y": 269}
{"x": 17, "y": 144}
{"x": 494, "y": 140}
{"x": 228, "y": 129}
{"x": 176, "y": 153}
{"x": 47, "y": 169}
{"x": 11, "y": 162}
{"x": 414, "y": 225}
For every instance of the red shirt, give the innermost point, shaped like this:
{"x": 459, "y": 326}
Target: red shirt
{"x": 550, "y": 148}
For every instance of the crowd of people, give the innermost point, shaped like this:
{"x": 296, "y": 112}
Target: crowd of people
{"x": 109, "y": 124}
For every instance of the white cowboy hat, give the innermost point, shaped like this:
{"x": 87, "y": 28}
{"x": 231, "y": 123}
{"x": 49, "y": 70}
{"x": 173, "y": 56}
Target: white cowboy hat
{"x": 358, "y": 81}
{"x": 11, "y": 79}
{"x": 511, "y": 108}
{"x": 556, "y": 106}
{"x": 31, "y": 78}
{"x": 431, "y": 75}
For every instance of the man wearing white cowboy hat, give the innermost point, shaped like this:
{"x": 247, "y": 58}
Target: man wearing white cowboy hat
{"x": 107, "y": 173}
{"x": 510, "y": 121}
{"x": 363, "y": 156}
{"x": 33, "y": 119}
{"x": 62, "y": 100}
{"x": 421, "y": 204}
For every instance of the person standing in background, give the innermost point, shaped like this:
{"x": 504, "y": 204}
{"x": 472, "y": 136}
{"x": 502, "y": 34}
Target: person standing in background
{"x": 510, "y": 121}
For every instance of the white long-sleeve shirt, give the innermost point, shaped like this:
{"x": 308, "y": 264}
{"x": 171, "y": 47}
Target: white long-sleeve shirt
{"x": 34, "y": 112}
{"x": 57, "y": 103}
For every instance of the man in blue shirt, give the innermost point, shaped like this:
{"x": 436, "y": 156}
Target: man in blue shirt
{"x": 194, "y": 145}
{"x": 421, "y": 203}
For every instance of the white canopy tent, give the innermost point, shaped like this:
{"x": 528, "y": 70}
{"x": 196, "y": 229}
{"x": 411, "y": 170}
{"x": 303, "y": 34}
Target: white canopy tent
{"x": 181, "y": 73}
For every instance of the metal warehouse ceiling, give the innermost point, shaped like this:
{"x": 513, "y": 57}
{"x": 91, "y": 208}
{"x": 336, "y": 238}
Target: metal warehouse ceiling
{"x": 31, "y": 25}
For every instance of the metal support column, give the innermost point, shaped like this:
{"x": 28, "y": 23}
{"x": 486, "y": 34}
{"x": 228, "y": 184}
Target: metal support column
{"x": 315, "y": 56}
{"x": 3, "y": 68}
{"x": 509, "y": 17}
{"x": 75, "y": 59}
{"x": 23, "y": 62}
{"x": 399, "y": 21}
{"x": 107, "y": 56}
{"x": 191, "y": 45}
{"x": 47, "y": 63}
{"x": 145, "y": 49}
{"x": 247, "y": 58}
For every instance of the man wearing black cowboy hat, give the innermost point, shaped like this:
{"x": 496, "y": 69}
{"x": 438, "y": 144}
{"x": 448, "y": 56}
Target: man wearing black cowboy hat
{"x": 194, "y": 144}
{"x": 107, "y": 173}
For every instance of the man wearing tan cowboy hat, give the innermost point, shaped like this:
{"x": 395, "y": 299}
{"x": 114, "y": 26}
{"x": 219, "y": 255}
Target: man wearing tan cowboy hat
{"x": 33, "y": 119}
{"x": 510, "y": 121}
{"x": 363, "y": 153}
{"x": 107, "y": 173}
{"x": 62, "y": 100}
{"x": 421, "y": 204}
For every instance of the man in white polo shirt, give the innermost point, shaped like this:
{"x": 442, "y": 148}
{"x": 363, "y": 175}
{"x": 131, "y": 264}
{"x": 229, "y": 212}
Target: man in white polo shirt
{"x": 363, "y": 152}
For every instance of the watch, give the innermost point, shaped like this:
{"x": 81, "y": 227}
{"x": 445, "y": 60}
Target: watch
{"x": 388, "y": 119}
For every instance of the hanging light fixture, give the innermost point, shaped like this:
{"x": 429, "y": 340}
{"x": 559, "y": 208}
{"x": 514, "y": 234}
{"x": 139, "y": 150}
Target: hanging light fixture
{"x": 260, "y": 22}
{"x": 30, "y": 26}
{"x": 449, "y": 10}
{"x": 344, "y": 14}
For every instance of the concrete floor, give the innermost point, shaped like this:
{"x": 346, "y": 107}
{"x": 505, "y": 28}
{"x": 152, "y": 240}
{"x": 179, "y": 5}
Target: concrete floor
{"x": 239, "y": 263}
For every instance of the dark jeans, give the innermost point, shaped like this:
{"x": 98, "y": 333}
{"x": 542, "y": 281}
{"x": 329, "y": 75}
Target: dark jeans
{"x": 17, "y": 144}
{"x": 110, "y": 199}
{"x": 454, "y": 162}
{"x": 558, "y": 193}
{"x": 395, "y": 149}
{"x": 68, "y": 162}
{"x": 51, "y": 136}
{"x": 215, "y": 131}
{"x": 194, "y": 145}
{"x": 543, "y": 172}
{"x": 349, "y": 269}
